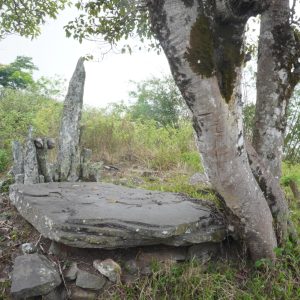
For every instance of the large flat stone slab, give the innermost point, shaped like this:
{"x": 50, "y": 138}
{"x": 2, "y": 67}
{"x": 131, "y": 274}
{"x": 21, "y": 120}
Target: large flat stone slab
{"x": 98, "y": 215}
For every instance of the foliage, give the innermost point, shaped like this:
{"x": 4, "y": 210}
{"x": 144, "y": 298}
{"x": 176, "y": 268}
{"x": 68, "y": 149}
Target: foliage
{"x": 290, "y": 172}
{"x": 292, "y": 140}
{"x": 116, "y": 137}
{"x": 54, "y": 87}
{"x": 158, "y": 99}
{"x": 114, "y": 20}
{"x": 20, "y": 109}
{"x": 25, "y": 17}
{"x": 225, "y": 279}
{"x": 248, "y": 120}
{"x": 4, "y": 160}
{"x": 18, "y": 74}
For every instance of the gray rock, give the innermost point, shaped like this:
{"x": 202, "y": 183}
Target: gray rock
{"x": 199, "y": 178}
{"x": 33, "y": 275}
{"x": 17, "y": 150}
{"x": 91, "y": 172}
{"x": 19, "y": 178}
{"x": 71, "y": 273}
{"x": 59, "y": 293}
{"x": 68, "y": 144}
{"x": 203, "y": 252}
{"x": 90, "y": 281}
{"x": 79, "y": 294}
{"x": 109, "y": 269}
{"x": 131, "y": 267}
{"x": 30, "y": 161}
{"x": 98, "y": 215}
{"x": 42, "y": 158}
{"x": 28, "y": 248}
{"x": 57, "y": 249}
{"x": 86, "y": 155}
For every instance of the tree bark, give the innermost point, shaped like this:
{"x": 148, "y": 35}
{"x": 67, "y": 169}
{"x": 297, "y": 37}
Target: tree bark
{"x": 203, "y": 44}
{"x": 276, "y": 78}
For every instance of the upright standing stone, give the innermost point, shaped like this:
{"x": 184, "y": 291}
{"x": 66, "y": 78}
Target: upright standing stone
{"x": 31, "y": 171}
{"x": 41, "y": 145}
{"x": 68, "y": 145}
{"x": 17, "y": 150}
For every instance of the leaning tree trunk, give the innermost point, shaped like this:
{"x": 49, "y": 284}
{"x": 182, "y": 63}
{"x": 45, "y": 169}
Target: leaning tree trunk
{"x": 203, "y": 43}
{"x": 276, "y": 78}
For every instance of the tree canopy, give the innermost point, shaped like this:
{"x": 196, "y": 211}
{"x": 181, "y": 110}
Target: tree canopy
{"x": 18, "y": 74}
{"x": 24, "y": 17}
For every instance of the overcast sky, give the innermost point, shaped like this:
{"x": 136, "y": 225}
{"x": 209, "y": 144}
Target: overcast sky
{"x": 107, "y": 78}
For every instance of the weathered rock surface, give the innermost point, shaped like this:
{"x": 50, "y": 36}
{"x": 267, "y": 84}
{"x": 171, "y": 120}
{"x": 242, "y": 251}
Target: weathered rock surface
{"x": 90, "y": 281}
{"x": 71, "y": 273}
{"x": 33, "y": 275}
{"x": 68, "y": 145}
{"x": 199, "y": 178}
{"x": 28, "y": 248}
{"x": 31, "y": 172}
{"x": 17, "y": 150}
{"x": 80, "y": 294}
{"x": 109, "y": 269}
{"x": 94, "y": 215}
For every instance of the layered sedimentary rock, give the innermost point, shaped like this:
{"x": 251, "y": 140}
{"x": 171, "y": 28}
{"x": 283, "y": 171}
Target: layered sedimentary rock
{"x": 93, "y": 215}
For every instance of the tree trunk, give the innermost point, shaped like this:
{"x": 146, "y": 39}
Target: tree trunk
{"x": 276, "y": 79}
{"x": 203, "y": 44}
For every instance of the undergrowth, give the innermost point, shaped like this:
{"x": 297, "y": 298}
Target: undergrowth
{"x": 219, "y": 280}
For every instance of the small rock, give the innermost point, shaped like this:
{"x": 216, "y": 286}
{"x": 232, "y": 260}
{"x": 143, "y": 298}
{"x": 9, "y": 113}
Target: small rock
{"x": 28, "y": 248}
{"x": 146, "y": 271}
{"x": 33, "y": 275}
{"x": 59, "y": 293}
{"x": 90, "y": 281}
{"x": 108, "y": 268}
{"x": 79, "y": 294}
{"x": 128, "y": 278}
{"x": 71, "y": 274}
{"x": 57, "y": 249}
{"x": 203, "y": 252}
{"x": 131, "y": 267}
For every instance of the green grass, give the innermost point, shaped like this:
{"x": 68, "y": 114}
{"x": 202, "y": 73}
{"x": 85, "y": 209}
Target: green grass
{"x": 218, "y": 280}
{"x": 223, "y": 279}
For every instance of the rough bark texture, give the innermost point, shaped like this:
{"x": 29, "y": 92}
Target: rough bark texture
{"x": 204, "y": 51}
{"x": 272, "y": 192}
{"x": 68, "y": 146}
{"x": 278, "y": 54}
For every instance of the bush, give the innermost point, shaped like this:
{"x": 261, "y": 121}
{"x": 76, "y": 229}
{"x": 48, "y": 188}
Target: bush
{"x": 4, "y": 160}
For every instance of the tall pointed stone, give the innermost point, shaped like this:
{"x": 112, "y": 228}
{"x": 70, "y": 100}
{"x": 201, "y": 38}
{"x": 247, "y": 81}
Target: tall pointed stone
{"x": 68, "y": 145}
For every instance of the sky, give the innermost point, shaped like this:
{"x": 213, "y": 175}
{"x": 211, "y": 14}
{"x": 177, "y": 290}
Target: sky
{"x": 107, "y": 78}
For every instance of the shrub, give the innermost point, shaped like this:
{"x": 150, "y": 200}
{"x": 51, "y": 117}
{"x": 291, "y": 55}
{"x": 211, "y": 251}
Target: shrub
{"x": 4, "y": 160}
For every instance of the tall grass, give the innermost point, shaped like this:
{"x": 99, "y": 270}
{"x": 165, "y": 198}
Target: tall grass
{"x": 115, "y": 138}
